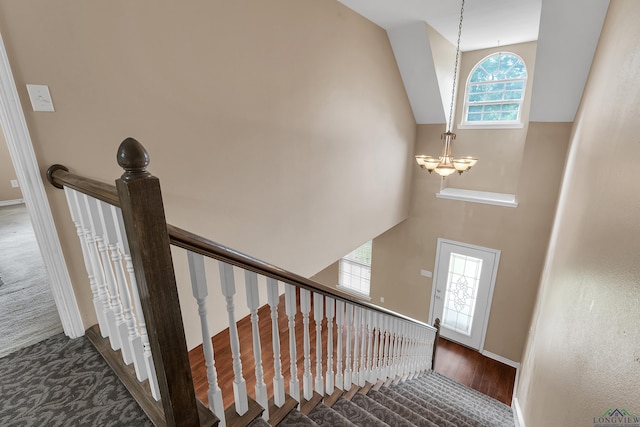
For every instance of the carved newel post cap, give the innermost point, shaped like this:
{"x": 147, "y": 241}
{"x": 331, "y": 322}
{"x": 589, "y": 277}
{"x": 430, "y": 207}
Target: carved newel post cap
{"x": 133, "y": 158}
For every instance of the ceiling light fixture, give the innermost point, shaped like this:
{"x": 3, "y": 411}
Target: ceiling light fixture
{"x": 446, "y": 164}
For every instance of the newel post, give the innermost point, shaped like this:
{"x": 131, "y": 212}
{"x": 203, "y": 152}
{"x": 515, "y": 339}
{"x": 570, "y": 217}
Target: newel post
{"x": 145, "y": 223}
{"x": 436, "y": 325}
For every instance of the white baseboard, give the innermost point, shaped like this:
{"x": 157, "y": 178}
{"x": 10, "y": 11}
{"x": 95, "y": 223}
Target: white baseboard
{"x": 517, "y": 413}
{"x": 11, "y": 202}
{"x": 500, "y": 359}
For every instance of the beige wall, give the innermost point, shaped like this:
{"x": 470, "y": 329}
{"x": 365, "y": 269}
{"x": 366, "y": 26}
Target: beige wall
{"x": 583, "y": 356}
{"x": 510, "y": 161}
{"x": 521, "y": 234}
{"x": 278, "y": 128}
{"x": 7, "y": 173}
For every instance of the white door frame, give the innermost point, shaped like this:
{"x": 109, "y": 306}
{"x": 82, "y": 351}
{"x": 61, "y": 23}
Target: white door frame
{"x": 16, "y": 133}
{"x": 491, "y": 285}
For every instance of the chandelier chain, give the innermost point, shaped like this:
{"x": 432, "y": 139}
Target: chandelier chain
{"x": 455, "y": 70}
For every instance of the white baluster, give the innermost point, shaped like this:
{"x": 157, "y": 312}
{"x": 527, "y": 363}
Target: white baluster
{"x": 356, "y": 330}
{"x": 84, "y": 245}
{"x": 318, "y": 315}
{"x": 385, "y": 361}
{"x": 253, "y": 302}
{"x": 291, "y": 308}
{"x": 347, "y": 360}
{"x": 392, "y": 348}
{"x": 278, "y": 380}
{"x": 104, "y": 289}
{"x": 127, "y": 328}
{"x": 413, "y": 351}
{"x": 405, "y": 349}
{"x": 363, "y": 348}
{"x": 239, "y": 384}
{"x": 369, "y": 366}
{"x": 99, "y": 233}
{"x": 340, "y": 328}
{"x": 200, "y": 292}
{"x": 330, "y": 310}
{"x": 143, "y": 340}
{"x": 376, "y": 340}
{"x": 307, "y": 377}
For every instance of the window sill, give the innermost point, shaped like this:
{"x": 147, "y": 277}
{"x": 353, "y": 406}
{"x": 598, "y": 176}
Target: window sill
{"x": 353, "y": 292}
{"x": 485, "y": 197}
{"x": 490, "y": 126}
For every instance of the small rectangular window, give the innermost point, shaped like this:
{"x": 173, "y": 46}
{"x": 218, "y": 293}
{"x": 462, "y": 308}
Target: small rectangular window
{"x": 355, "y": 270}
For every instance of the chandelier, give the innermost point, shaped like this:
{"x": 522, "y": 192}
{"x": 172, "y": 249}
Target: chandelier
{"x": 446, "y": 164}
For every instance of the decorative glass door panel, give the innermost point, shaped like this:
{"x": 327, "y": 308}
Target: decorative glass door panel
{"x": 462, "y": 290}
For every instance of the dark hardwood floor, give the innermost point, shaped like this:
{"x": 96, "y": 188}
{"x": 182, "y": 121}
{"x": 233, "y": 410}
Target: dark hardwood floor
{"x": 454, "y": 361}
{"x": 472, "y": 369}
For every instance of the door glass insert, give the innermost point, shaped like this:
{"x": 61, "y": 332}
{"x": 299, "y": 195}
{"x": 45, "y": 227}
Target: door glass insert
{"x": 461, "y": 292}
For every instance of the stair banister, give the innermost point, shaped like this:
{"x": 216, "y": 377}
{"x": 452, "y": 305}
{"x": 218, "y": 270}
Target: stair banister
{"x": 138, "y": 194}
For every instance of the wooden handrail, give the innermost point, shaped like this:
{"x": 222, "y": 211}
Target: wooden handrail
{"x": 60, "y": 176}
{"x": 211, "y": 249}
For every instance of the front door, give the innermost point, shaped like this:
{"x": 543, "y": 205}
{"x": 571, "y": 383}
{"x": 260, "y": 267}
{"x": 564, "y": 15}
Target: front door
{"x": 462, "y": 289}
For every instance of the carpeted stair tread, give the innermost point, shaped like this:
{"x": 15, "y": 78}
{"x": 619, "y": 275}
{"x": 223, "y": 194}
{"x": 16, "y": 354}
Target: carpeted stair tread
{"x": 425, "y": 409}
{"x": 380, "y": 412}
{"x": 356, "y": 414}
{"x": 436, "y": 403}
{"x": 442, "y": 400}
{"x": 258, "y": 422}
{"x": 436, "y": 378}
{"x": 296, "y": 418}
{"x": 324, "y": 416}
{"x": 465, "y": 400}
{"x": 403, "y": 411}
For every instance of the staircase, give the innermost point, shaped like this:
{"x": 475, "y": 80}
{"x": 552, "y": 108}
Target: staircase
{"x": 347, "y": 344}
{"x": 429, "y": 400}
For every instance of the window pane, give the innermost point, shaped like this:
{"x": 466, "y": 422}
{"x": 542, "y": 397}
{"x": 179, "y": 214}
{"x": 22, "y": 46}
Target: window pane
{"x": 474, "y": 117}
{"x": 519, "y": 84}
{"x": 475, "y": 108}
{"x": 509, "y": 115}
{"x": 494, "y": 96}
{"x": 479, "y": 88}
{"x": 477, "y": 97}
{"x": 479, "y": 75}
{"x": 514, "y": 94}
{"x": 510, "y": 107}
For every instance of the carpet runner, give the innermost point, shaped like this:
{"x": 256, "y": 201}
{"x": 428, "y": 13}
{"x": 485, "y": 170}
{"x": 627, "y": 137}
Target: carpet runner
{"x": 431, "y": 400}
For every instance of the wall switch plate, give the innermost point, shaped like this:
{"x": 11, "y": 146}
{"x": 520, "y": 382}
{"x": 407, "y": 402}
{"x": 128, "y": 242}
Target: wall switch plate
{"x": 40, "y": 97}
{"x": 14, "y": 183}
{"x": 426, "y": 273}
{"x": 381, "y": 299}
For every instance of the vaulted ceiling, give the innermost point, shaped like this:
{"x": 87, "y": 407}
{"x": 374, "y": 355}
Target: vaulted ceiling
{"x": 567, "y": 33}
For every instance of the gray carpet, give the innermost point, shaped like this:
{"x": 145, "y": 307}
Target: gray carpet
{"x": 63, "y": 382}
{"x": 430, "y": 401}
{"x": 27, "y": 311}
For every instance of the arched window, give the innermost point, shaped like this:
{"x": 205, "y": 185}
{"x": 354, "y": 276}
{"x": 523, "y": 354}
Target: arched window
{"x": 495, "y": 90}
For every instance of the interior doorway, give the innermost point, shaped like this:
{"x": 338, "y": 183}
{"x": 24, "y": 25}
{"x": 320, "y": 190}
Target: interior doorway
{"x": 18, "y": 139}
{"x": 463, "y": 284}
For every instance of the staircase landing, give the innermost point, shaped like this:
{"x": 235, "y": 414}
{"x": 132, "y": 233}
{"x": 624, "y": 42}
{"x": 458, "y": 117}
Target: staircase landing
{"x": 481, "y": 373}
